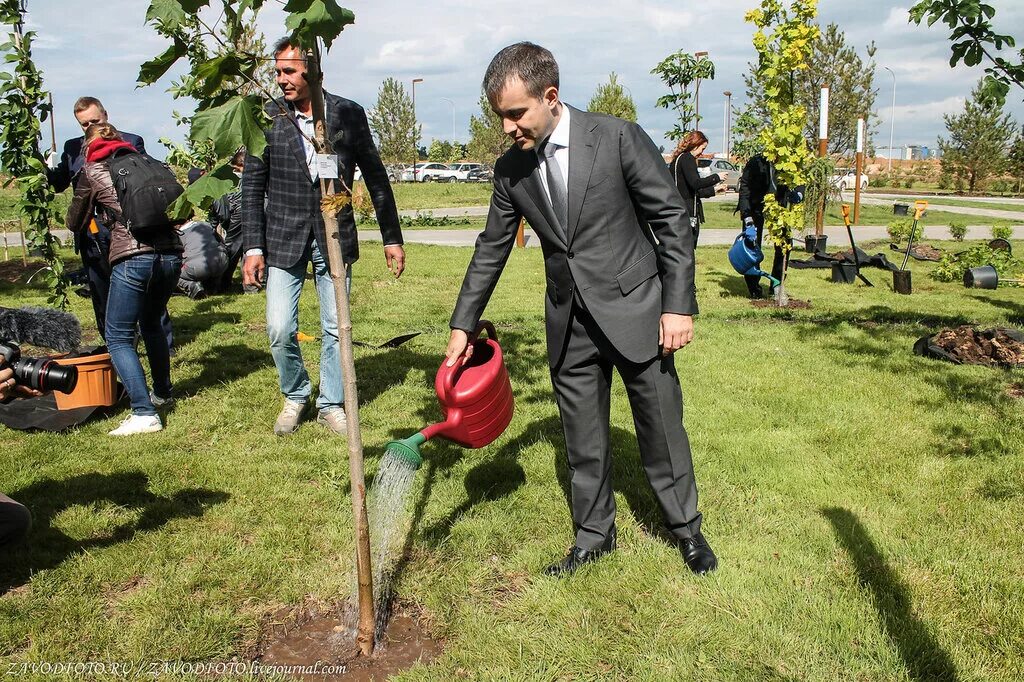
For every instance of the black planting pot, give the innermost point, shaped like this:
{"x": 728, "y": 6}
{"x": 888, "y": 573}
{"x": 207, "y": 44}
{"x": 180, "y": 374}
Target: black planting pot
{"x": 844, "y": 273}
{"x": 815, "y": 243}
{"x": 984, "y": 277}
{"x": 900, "y": 209}
{"x": 901, "y": 281}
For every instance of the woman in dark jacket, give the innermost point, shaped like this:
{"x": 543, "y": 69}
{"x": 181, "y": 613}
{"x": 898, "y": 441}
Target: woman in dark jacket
{"x": 691, "y": 186}
{"x": 143, "y": 276}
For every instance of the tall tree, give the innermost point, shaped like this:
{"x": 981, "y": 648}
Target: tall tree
{"x": 443, "y": 151}
{"x": 852, "y": 91}
{"x": 487, "y": 140}
{"x": 611, "y": 98}
{"x": 979, "y": 139}
{"x": 679, "y": 71}
{"x": 393, "y": 122}
{"x": 1015, "y": 160}
{"x": 974, "y": 37}
{"x": 746, "y": 134}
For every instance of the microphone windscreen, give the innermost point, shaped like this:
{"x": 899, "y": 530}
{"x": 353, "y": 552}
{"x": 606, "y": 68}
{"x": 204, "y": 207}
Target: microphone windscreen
{"x": 44, "y": 327}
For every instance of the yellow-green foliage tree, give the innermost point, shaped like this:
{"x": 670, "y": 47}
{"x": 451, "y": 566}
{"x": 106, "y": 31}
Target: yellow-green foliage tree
{"x": 783, "y": 41}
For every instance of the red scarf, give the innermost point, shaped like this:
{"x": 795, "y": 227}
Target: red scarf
{"x": 101, "y": 149}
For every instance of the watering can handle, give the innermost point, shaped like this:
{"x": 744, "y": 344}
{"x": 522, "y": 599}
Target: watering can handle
{"x": 451, "y": 372}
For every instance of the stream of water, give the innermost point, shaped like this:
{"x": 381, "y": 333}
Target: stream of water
{"x": 387, "y": 514}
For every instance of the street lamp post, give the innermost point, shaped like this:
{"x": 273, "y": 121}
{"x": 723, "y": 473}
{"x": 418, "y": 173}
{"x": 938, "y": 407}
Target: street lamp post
{"x": 415, "y": 128}
{"x": 727, "y": 136}
{"x": 892, "y": 119}
{"x": 696, "y": 92}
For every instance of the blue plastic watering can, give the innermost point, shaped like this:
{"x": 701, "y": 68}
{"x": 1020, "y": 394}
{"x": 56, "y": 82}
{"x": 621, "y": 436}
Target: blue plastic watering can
{"x": 745, "y": 255}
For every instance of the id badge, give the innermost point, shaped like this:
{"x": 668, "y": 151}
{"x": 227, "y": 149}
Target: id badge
{"x": 327, "y": 165}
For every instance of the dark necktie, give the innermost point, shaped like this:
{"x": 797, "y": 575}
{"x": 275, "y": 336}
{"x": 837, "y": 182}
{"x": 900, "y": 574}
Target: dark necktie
{"x": 556, "y": 188}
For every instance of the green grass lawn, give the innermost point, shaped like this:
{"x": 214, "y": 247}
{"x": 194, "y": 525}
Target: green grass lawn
{"x": 865, "y": 503}
{"x": 428, "y": 195}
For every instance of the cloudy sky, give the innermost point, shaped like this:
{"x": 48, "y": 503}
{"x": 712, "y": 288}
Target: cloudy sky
{"x": 448, "y": 43}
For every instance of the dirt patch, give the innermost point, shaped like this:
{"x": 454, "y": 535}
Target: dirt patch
{"x": 321, "y": 639}
{"x": 971, "y": 346}
{"x": 920, "y": 252}
{"x": 1016, "y": 390}
{"x": 14, "y": 270}
{"x": 794, "y": 304}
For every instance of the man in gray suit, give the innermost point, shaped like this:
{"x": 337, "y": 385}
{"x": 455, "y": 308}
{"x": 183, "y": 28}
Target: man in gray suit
{"x": 283, "y": 229}
{"x": 618, "y": 254}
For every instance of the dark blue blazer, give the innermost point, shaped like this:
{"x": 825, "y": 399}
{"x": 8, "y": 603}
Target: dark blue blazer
{"x": 72, "y": 160}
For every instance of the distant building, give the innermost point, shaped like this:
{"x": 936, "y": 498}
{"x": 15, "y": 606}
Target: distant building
{"x": 915, "y": 152}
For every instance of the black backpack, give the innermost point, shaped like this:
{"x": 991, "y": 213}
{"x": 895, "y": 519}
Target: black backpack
{"x": 145, "y": 189}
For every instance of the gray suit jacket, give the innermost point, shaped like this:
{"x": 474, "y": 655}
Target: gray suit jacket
{"x": 280, "y": 202}
{"x": 629, "y": 251}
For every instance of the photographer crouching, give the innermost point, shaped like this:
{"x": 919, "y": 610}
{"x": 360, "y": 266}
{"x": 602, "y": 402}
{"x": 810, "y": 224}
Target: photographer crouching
{"x": 14, "y": 517}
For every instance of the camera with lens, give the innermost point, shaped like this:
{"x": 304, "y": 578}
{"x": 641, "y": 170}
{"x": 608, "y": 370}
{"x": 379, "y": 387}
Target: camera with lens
{"x": 39, "y": 374}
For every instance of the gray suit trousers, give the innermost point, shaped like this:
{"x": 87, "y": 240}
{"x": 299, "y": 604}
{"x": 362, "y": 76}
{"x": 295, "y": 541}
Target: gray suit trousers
{"x": 582, "y": 384}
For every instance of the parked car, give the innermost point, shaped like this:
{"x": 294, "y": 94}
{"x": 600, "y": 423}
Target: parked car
{"x": 481, "y": 174}
{"x": 846, "y": 178}
{"x": 464, "y": 169}
{"x": 430, "y": 172}
{"x": 727, "y": 171}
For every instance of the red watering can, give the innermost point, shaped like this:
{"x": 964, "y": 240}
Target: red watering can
{"x": 476, "y": 400}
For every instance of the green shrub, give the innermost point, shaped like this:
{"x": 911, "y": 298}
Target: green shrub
{"x": 945, "y": 182}
{"x": 1000, "y": 186}
{"x": 880, "y": 180}
{"x": 900, "y": 229}
{"x": 1002, "y": 232}
{"x": 953, "y": 265}
{"x": 957, "y": 231}
{"x": 909, "y": 183}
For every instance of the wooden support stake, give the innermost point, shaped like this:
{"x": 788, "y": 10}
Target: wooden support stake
{"x": 521, "y": 234}
{"x": 357, "y": 478}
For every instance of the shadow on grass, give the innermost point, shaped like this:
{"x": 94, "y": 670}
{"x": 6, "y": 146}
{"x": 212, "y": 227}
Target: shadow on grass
{"x": 223, "y": 364}
{"x": 47, "y": 546}
{"x": 921, "y": 654}
{"x": 732, "y": 285}
{"x": 201, "y": 317}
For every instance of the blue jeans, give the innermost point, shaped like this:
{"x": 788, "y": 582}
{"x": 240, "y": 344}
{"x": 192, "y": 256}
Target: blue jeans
{"x": 284, "y": 285}
{"x": 140, "y": 287}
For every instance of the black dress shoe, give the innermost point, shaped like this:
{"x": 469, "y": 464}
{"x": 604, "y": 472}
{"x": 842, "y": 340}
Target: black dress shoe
{"x": 577, "y": 557}
{"x": 698, "y": 555}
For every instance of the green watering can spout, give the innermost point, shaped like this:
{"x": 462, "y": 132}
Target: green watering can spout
{"x": 408, "y": 450}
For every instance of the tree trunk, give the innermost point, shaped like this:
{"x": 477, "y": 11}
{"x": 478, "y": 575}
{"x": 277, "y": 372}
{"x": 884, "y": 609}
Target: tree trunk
{"x": 365, "y": 633}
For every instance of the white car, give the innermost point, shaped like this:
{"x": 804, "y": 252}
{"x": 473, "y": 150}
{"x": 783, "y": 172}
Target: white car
{"x": 726, "y": 170}
{"x": 463, "y": 169}
{"x": 846, "y": 178}
{"x": 430, "y": 172}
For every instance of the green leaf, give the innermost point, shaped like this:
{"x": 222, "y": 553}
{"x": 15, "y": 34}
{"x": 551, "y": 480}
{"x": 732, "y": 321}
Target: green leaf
{"x": 236, "y": 123}
{"x": 204, "y": 191}
{"x": 167, "y": 12}
{"x": 154, "y": 69}
{"x": 310, "y": 19}
{"x": 215, "y": 71}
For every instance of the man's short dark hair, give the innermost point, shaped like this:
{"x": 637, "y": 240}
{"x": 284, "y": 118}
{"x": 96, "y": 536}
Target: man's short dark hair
{"x": 532, "y": 64}
{"x": 285, "y": 43}
{"x": 83, "y": 103}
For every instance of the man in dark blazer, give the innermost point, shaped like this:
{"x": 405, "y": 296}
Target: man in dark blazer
{"x": 283, "y": 229}
{"x": 618, "y": 255}
{"x": 94, "y": 243}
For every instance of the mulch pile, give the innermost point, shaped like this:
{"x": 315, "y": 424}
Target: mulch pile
{"x": 968, "y": 345}
{"x": 920, "y": 252}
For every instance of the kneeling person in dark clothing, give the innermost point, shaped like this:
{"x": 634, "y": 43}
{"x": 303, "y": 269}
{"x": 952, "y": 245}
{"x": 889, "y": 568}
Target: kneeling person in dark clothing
{"x": 204, "y": 260}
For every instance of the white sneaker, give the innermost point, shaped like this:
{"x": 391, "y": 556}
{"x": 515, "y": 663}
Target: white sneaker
{"x": 289, "y": 417}
{"x": 138, "y": 423}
